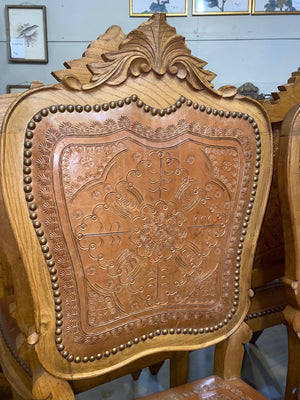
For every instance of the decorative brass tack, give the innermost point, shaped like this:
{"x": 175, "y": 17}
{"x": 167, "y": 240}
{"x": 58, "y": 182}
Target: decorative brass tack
{"x": 61, "y": 108}
{"x": 29, "y": 197}
{"x": 29, "y": 134}
{"x": 27, "y": 153}
{"x": 53, "y": 109}
{"x": 31, "y": 125}
{"x": 79, "y": 108}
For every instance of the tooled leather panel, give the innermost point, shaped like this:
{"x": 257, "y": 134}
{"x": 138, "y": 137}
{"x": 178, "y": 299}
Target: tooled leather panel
{"x": 213, "y": 388}
{"x": 270, "y": 245}
{"x": 140, "y": 218}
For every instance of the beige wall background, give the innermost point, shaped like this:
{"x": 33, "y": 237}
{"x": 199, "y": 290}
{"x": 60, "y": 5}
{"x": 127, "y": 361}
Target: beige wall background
{"x": 263, "y": 49}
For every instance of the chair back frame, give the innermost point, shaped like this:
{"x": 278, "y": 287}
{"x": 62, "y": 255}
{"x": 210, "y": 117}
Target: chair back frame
{"x": 147, "y": 177}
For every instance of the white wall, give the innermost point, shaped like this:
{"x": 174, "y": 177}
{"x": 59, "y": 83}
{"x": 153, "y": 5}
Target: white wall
{"x": 263, "y": 49}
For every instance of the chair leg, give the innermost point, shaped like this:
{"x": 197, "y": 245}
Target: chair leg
{"x": 229, "y": 353}
{"x": 48, "y": 386}
{"x": 179, "y": 368}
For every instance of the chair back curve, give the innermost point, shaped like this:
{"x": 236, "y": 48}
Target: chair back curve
{"x": 136, "y": 198}
{"x": 289, "y": 174}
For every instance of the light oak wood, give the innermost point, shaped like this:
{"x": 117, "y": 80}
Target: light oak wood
{"x": 269, "y": 261}
{"x": 281, "y": 101}
{"x": 269, "y": 299}
{"x": 229, "y": 353}
{"x": 8, "y": 253}
{"x": 179, "y": 368}
{"x": 289, "y": 174}
{"x": 216, "y": 150}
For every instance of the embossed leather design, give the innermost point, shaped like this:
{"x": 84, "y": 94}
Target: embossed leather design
{"x": 143, "y": 216}
{"x": 270, "y": 246}
{"x": 212, "y": 388}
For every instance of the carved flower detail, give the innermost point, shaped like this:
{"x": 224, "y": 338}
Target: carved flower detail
{"x": 159, "y": 231}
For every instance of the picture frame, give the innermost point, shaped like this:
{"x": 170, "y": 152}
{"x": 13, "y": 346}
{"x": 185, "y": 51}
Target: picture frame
{"x": 172, "y": 8}
{"x": 26, "y": 29}
{"x": 221, "y": 7}
{"x": 17, "y": 88}
{"x": 271, "y": 7}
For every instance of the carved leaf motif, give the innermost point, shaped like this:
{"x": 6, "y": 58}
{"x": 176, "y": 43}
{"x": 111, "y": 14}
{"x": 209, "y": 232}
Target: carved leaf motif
{"x": 77, "y": 72}
{"x": 153, "y": 46}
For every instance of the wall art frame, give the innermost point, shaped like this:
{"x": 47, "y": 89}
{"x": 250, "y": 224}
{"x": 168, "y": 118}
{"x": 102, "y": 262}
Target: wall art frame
{"x": 264, "y": 7}
{"x": 17, "y": 88}
{"x": 221, "y": 7}
{"x": 26, "y": 28}
{"x": 172, "y": 8}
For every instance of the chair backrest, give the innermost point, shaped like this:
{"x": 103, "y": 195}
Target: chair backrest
{"x": 289, "y": 184}
{"x": 289, "y": 190}
{"x": 136, "y": 200}
{"x": 269, "y": 261}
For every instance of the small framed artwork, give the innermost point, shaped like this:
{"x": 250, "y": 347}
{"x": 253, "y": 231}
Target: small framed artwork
{"x": 221, "y": 7}
{"x": 26, "y": 33}
{"x": 276, "y": 7}
{"x": 17, "y": 88}
{"x": 173, "y": 8}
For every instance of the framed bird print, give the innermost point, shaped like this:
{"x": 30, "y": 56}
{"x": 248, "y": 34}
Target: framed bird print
{"x": 17, "y": 88}
{"x": 221, "y": 7}
{"x": 26, "y": 33}
{"x": 173, "y": 8}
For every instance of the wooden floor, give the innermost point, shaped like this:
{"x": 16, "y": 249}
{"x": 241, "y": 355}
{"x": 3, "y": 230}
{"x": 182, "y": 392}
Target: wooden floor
{"x": 264, "y": 368}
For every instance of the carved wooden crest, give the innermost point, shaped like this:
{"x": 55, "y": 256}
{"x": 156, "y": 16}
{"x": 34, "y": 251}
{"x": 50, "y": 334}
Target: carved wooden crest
{"x": 284, "y": 99}
{"x": 154, "y": 46}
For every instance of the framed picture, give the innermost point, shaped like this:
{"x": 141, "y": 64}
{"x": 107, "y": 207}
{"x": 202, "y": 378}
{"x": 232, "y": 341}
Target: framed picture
{"x": 221, "y": 7}
{"x": 276, "y": 7}
{"x": 173, "y": 8}
{"x": 17, "y": 88}
{"x": 26, "y": 33}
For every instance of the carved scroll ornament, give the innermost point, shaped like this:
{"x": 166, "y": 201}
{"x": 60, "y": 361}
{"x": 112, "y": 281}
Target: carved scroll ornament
{"x": 154, "y": 46}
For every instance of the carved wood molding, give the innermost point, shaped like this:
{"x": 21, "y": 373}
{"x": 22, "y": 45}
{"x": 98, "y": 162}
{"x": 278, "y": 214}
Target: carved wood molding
{"x": 77, "y": 72}
{"x": 153, "y": 46}
{"x": 281, "y": 101}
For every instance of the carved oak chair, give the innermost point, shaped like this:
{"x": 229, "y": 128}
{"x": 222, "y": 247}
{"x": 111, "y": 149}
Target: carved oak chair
{"x": 269, "y": 299}
{"x": 10, "y": 258}
{"x": 289, "y": 190}
{"x": 135, "y": 192}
